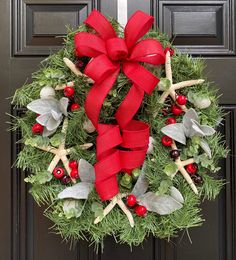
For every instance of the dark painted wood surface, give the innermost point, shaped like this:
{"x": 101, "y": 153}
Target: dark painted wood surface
{"x": 198, "y": 27}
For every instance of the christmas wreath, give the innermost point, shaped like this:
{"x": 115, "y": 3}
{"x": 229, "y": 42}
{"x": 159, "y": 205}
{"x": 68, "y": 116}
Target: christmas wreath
{"x": 119, "y": 137}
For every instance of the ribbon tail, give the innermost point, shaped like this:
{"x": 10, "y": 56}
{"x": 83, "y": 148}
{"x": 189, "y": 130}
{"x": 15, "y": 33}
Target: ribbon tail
{"x": 96, "y": 97}
{"x": 129, "y": 106}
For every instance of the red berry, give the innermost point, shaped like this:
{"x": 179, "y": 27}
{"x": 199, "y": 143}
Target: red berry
{"x": 74, "y": 107}
{"x": 73, "y": 164}
{"x": 141, "y": 211}
{"x": 166, "y": 140}
{"x": 170, "y": 120}
{"x": 181, "y": 100}
{"x": 58, "y": 172}
{"x": 69, "y": 91}
{"x": 176, "y": 110}
{"x": 191, "y": 168}
{"x": 74, "y": 174}
{"x": 37, "y": 129}
{"x": 170, "y": 50}
{"x": 131, "y": 200}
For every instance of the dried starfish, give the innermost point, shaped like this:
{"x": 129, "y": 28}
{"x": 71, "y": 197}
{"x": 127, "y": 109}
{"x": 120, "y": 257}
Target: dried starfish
{"x": 173, "y": 87}
{"x": 116, "y": 200}
{"x": 61, "y": 152}
{"x": 181, "y": 164}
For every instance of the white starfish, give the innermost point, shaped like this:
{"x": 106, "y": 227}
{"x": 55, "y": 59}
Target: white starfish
{"x": 116, "y": 200}
{"x": 61, "y": 152}
{"x": 173, "y": 87}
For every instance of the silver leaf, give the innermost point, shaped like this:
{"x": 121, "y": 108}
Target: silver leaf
{"x": 80, "y": 190}
{"x": 86, "y": 171}
{"x": 63, "y": 104}
{"x": 141, "y": 184}
{"x": 43, "y": 119}
{"x": 46, "y": 132}
{"x": 176, "y": 132}
{"x": 151, "y": 145}
{"x": 195, "y": 130}
{"x": 175, "y": 193}
{"x": 52, "y": 123}
{"x": 56, "y": 115}
{"x": 163, "y": 204}
{"x": 207, "y": 130}
{"x": 190, "y": 115}
{"x": 205, "y": 147}
{"x": 43, "y": 106}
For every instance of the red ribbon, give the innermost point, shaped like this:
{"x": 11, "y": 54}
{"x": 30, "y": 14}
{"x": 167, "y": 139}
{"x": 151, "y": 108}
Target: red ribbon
{"x": 121, "y": 146}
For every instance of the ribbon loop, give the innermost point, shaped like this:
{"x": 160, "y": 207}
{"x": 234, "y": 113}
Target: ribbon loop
{"x": 137, "y": 26}
{"x": 87, "y": 44}
{"x": 101, "y": 25}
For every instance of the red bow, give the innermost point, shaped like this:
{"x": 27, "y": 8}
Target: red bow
{"x": 109, "y": 55}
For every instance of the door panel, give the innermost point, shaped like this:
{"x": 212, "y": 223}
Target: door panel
{"x": 198, "y": 27}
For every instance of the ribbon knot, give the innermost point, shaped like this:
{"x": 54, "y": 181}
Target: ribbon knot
{"x": 116, "y": 49}
{"x": 121, "y": 146}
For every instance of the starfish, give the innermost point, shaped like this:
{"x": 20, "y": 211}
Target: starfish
{"x": 116, "y": 200}
{"x": 171, "y": 92}
{"x": 181, "y": 164}
{"x": 61, "y": 152}
{"x": 173, "y": 87}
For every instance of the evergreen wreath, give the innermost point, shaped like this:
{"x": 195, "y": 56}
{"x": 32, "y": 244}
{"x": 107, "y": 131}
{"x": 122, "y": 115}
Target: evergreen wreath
{"x": 179, "y": 170}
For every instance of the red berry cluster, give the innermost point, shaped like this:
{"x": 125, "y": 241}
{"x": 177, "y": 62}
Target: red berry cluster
{"x": 69, "y": 92}
{"x": 59, "y": 173}
{"x": 74, "y": 174}
{"x": 140, "y": 210}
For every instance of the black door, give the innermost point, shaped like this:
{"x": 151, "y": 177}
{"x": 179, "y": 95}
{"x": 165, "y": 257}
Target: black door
{"x": 203, "y": 28}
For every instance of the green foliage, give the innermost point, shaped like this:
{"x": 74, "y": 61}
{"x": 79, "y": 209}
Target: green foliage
{"x": 73, "y": 220}
{"x": 39, "y": 178}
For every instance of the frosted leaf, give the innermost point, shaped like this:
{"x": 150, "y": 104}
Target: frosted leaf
{"x": 151, "y": 145}
{"x": 80, "y": 190}
{"x": 207, "y": 130}
{"x": 53, "y": 124}
{"x": 204, "y": 145}
{"x": 43, "y": 119}
{"x": 46, "y": 132}
{"x": 195, "y": 130}
{"x": 163, "y": 204}
{"x": 175, "y": 193}
{"x": 43, "y": 106}
{"x": 176, "y": 132}
{"x": 63, "y": 104}
{"x": 86, "y": 171}
{"x": 56, "y": 115}
{"x": 190, "y": 115}
{"x": 141, "y": 185}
